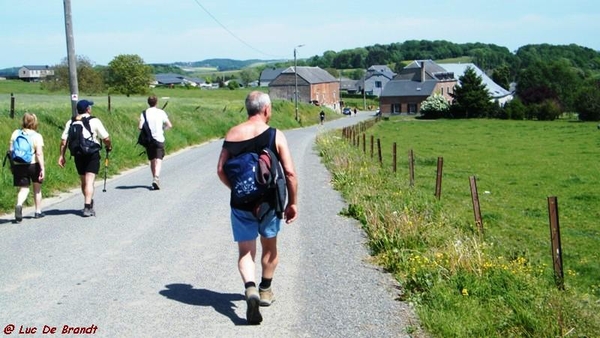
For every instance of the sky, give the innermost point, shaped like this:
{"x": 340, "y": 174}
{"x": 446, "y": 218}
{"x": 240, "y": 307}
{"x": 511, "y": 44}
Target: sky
{"x": 32, "y": 32}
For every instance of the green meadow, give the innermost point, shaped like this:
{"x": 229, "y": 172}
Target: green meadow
{"x": 463, "y": 283}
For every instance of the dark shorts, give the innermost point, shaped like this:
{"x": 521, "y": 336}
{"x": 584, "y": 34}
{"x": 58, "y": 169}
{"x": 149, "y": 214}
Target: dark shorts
{"x": 156, "y": 151}
{"x": 24, "y": 174}
{"x": 88, "y": 164}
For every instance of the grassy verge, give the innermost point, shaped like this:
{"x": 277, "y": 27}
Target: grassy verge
{"x": 197, "y": 116}
{"x": 463, "y": 284}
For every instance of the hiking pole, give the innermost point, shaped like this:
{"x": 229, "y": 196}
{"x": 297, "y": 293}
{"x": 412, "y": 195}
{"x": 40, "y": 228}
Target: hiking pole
{"x": 105, "y": 169}
{"x": 166, "y": 103}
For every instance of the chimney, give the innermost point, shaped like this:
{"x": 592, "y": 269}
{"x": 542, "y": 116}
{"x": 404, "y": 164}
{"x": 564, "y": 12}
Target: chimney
{"x": 422, "y": 71}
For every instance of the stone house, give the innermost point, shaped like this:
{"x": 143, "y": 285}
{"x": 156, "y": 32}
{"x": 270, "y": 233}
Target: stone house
{"x": 315, "y": 85}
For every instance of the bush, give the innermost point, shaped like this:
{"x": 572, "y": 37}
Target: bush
{"x": 588, "y": 104}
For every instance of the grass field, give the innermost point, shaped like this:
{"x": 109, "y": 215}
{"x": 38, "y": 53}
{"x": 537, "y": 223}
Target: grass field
{"x": 500, "y": 284}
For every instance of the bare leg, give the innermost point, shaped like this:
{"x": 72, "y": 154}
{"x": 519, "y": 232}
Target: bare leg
{"x": 37, "y": 197}
{"x": 246, "y": 266}
{"x": 270, "y": 258}
{"x": 22, "y": 195}
{"x": 87, "y": 187}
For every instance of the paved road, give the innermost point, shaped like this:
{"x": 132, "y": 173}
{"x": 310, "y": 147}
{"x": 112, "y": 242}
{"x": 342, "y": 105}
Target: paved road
{"x": 163, "y": 263}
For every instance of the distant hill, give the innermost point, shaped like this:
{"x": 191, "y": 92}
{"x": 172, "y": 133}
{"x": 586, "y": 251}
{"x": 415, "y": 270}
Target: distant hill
{"x": 10, "y": 72}
{"x": 223, "y": 64}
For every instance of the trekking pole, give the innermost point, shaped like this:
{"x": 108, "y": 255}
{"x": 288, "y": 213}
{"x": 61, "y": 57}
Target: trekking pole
{"x": 105, "y": 169}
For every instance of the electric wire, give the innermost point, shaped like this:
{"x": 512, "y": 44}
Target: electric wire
{"x": 231, "y": 33}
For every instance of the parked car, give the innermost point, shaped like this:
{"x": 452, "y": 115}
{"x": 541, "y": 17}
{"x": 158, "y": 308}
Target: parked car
{"x": 347, "y": 111}
{"x": 378, "y": 112}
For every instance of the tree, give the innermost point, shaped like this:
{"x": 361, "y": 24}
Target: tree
{"x": 588, "y": 102}
{"x": 248, "y": 75}
{"x": 555, "y": 80}
{"x": 128, "y": 74}
{"x": 89, "y": 80}
{"x": 501, "y": 76}
{"x": 471, "y": 98}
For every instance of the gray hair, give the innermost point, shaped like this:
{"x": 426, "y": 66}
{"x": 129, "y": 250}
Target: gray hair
{"x": 257, "y": 101}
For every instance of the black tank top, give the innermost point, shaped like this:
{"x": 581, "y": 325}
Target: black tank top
{"x": 255, "y": 144}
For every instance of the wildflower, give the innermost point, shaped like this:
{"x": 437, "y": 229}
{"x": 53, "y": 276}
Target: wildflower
{"x": 465, "y": 292}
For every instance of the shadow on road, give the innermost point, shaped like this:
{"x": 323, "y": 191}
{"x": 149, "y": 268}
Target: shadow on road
{"x": 129, "y": 187}
{"x": 221, "y": 302}
{"x": 57, "y": 212}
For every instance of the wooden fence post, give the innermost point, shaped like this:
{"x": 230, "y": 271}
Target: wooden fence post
{"x": 394, "y": 157}
{"x": 476, "y": 208}
{"x": 12, "y": 106}
{"x": 372, "y": 146}
{"x": 557, "y": 261}
{"x": 379, "y": 151}
{"x": 438, "y": 181}
{"x": 109, "y": 103}
{"x": 364, "y": 143}
{"x": 411, "y": 168}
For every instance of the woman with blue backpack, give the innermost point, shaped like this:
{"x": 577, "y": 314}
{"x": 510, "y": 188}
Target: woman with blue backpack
{"x": 27, "y": 164}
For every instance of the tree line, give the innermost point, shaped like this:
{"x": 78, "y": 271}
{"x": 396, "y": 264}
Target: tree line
{"x": 550, "y": 79}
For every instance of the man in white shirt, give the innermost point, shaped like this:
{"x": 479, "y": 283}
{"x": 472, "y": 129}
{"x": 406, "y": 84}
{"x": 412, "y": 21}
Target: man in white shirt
{"x": 158, "y": 121}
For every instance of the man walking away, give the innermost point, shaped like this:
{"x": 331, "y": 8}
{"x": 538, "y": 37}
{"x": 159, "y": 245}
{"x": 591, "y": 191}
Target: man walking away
{"x": 87, "y": 161}
{"x": 158, "y": 121}
{"x": 249, "y": 136}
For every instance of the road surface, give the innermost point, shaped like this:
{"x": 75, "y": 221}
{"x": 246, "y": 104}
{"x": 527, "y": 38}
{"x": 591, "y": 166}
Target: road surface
{"x": 163, "y": 263}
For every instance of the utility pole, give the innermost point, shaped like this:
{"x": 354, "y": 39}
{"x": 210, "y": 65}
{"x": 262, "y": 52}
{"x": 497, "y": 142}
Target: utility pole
{"x": 296, "y": 81}
{"x": 72, "y": 61}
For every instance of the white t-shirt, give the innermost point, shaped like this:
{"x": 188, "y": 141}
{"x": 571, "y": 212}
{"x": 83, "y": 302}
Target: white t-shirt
{"x": 98, "y": 131}
{"x": 35, "y": 137}
{"x": 157, "y": 118}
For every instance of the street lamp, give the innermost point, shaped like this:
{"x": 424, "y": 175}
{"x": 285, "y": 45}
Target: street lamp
{"x": 296, "y": 81}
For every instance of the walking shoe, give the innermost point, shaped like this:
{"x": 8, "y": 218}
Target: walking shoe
{"x": 155, "y": 185}
{"x": 87, "y": 212}
{"x": 39, "y": 215}
{"x": 266, "y": 296}
{"x": 19, "y": 213}
{"x": 253, "y": 315}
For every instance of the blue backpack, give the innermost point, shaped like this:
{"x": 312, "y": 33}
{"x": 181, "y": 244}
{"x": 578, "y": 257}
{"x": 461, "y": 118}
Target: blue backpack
{"x": 257, "y": 179}
{"x": 22, "y": 148}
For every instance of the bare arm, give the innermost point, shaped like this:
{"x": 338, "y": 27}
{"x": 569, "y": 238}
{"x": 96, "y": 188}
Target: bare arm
{"x": 291, "y": 210}
{"x": 223, "y": 157}
{"x": 107, "y": 143}
{"x": 39, "y": 156}
{"x": 61, "y": 157}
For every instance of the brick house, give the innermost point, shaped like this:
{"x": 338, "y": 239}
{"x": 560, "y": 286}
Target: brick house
{"x": 413, "y": 85}
{"x": 35, "y": 73}
{"x": 315, "y": 85}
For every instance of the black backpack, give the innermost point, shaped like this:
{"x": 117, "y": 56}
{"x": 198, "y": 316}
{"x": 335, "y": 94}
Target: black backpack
{"x": 257, "y": 179}
{"x": 78, "y": 144}
{"x": 145, "y": 138}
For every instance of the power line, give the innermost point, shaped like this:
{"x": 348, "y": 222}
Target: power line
{"x": 231, "y": 33}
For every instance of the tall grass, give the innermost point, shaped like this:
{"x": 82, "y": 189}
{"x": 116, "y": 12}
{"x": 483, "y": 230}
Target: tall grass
{"x": 197, "y": 116}
{"x": 499, "y": 284}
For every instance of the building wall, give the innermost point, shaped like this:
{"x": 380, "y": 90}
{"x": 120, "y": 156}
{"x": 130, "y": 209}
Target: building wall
{"x": 370, "y": 84}
{"x": 284, "y": 86}
{"x": 26, "y": 73}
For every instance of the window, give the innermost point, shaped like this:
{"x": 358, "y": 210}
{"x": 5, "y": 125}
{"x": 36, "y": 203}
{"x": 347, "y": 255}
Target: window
{"x": 378, "y": 84}
{"x": 442, "y": 91}
{"x": 412, "y": 108}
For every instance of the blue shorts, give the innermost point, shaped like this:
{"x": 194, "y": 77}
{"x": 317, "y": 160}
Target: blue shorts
{"x": 246, "y": 227}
